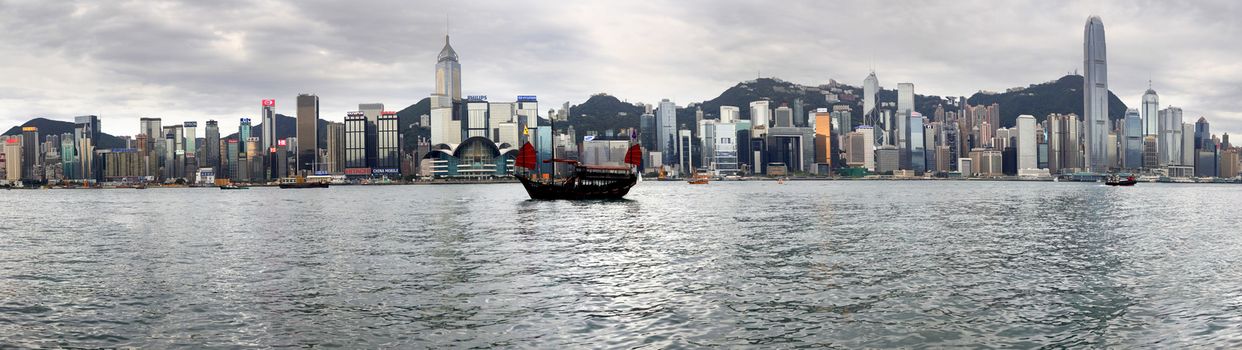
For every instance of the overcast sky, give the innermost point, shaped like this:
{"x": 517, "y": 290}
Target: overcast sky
{"x": 199, "y": 60}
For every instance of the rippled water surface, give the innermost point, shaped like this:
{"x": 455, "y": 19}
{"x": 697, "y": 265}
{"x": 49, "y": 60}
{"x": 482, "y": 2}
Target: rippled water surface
{"x": 838, "y": 264}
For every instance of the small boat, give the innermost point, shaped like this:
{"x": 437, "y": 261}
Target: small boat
{"x": 1118, "y": 181}
{"x": 583, "y": 182}
{"x": 233, "y": 187}
{"x": 300, "y": 182}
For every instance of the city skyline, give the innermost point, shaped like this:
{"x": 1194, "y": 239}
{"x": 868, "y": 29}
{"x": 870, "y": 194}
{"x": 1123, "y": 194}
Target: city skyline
{"x": 223, "y": 70}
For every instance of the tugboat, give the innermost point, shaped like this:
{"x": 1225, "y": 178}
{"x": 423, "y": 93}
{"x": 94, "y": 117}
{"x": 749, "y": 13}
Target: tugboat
{"x": 1118, "y": 181}
{"x": 300, "y": 182}
{"x": 583, "y": 182}
{"x": 233, "y": 187}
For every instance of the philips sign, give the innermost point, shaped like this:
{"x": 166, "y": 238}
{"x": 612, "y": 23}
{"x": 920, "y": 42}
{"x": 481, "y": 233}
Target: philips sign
{"x": 476, "y": 98}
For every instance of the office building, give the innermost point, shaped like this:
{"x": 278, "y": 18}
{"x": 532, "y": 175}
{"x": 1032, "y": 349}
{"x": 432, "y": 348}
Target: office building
{"x": 730, "y": 114}
{"x": 1064, "y": 150}
{"x": 1026, "y": 146}
{"x": 666, "y": 123}
{"x": 334, "y": 134}
{"x": 32, "y": 157}
{"x": 1151, "y": 112}
{"x": 824, "y": 137}
{"x": 1171, "y": 136}
{"x": 784, "y": 117}
{"x": 760, "y": 118}
{"x": 725, "y": 145}
{"x": 1132, "y": 144}
{"x": 1188, "y": 145}
{"x": 211, "y": 148}
{"x": 388, "y": 145}
{"x": 308, "y": 132}
{"x": 871, "y": 86}
{"x": 1151, "y": 152}
{"x": 355, "y": 158}
{"x": 268, "y": 118}
{"x": 1095, "y": 96}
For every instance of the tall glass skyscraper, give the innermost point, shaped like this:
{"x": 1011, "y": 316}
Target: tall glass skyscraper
{"x": 871, "y": 85}
{"x": 1151, "y": 112}
{"x": 1095, "y": 95}
{"x": 1132, "y": 155}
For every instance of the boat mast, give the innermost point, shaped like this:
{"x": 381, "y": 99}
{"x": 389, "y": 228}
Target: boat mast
{"x": 552, "y": 125}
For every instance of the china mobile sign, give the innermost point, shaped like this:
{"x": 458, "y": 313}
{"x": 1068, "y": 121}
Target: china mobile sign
{"x": 269, "y": 103}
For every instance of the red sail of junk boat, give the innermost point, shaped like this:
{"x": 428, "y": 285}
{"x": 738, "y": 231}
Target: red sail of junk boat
{"x": 582, "y": 182}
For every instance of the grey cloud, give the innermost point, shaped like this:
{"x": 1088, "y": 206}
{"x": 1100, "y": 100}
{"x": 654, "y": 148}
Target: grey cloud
{"x": 195, "y": 60}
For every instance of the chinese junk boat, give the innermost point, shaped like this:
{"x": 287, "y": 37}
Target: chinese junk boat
{"x": 583, "y": 182}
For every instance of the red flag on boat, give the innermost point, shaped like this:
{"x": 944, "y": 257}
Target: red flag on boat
{"x": 634, "y": 155}
{"x": 526, "y": 157}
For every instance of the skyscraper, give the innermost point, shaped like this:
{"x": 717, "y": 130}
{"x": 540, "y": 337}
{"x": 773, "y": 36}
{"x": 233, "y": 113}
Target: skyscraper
{"x": 308, "y": 131}
{"x": 32, "y": 158}
{"x": 871, "y": 85}
{"x": 760, "y": 118}
{"x": 87, "y": 133}
{"x": 1026, "y": 143}
{"x": 446, "y": 111}
{"x": 268, "y": 118}
{"x": 905, "y": 108}
{"x": 915, "y": 145}
{"x": 334, "y": 135}
{"x": 1151, "y": 112}
{"x": 372, "y": 112}
{"x": 1203, "y": 133}
{"x": 388, "y": 144}
{"x": 666, "y": 123}
{"x": 211, "y": 150}
{"x": 243, "y": 134}
{"x": 1170, "y": 138}
{"x": 448, "y": 73}
{"x": 1132, "y": 144}
{"x": 355, "y": 158}
{"x": 729, "y": 114}
{"x": 1095, "y": 95}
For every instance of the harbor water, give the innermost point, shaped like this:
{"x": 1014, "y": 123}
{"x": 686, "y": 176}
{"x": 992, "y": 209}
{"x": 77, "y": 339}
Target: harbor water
{"x": 846, "y": 264}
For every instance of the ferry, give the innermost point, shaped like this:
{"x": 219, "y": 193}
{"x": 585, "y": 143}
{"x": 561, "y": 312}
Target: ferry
{"x": 699, "y": 178}
{"x": 301, "y": 182}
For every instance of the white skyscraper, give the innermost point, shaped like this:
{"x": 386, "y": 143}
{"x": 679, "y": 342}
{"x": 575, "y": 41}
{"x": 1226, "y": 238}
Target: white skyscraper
{"x": 760, "y": 117}
{"x": 1170, "y": 139}
{"x": 445, "y": 114}
{"x": 905, "y": 98}
{"x": 729, "y": 114}
{"x": 1095, "y": 95}
{"x": 905, "y": 108}
{"x": 871, "y": 86}
{"x": 1027, "y": 157}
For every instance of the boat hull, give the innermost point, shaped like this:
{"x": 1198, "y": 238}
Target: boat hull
{"x": 1121, "y": 183}
{"x": 570, "y": 190}
{"x": 305, "y": 185}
